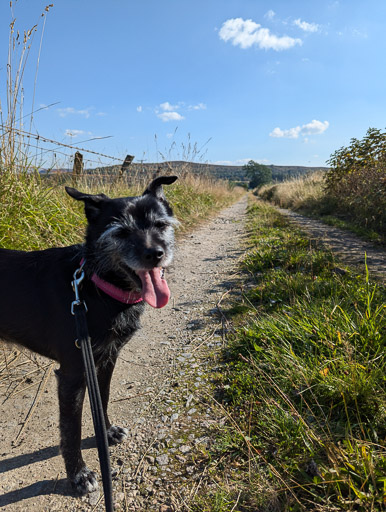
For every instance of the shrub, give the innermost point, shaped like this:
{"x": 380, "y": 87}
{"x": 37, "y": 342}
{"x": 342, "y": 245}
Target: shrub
{"x": 358, "y": 179}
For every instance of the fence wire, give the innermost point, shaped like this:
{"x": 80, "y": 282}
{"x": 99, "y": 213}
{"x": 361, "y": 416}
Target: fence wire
{"x": 38, "y": 137}
{"x": 28, "y": 152}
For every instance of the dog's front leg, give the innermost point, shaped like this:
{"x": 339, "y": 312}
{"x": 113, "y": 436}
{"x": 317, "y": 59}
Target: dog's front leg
{"x": 71, "y": 390}
{"x": 115, "y": 435}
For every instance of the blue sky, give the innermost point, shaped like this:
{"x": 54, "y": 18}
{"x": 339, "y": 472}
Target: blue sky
{"x": 282, "y": 82}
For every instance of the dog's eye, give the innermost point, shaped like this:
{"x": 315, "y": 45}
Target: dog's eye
{"x": 159, "y": 224}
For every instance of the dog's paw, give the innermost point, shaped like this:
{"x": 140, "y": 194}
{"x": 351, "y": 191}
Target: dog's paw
{"x": 84, "y": 482}
{"x": 116, "y": 435}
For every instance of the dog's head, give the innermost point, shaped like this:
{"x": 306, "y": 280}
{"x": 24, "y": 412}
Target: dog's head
{"x": 131, "y": 236}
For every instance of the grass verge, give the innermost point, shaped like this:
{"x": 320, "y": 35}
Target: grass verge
{"x": 36, "y": 213}
{"x": 302, "y": 383}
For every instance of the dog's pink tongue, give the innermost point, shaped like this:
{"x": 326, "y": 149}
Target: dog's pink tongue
{"x": 155, "y": 290}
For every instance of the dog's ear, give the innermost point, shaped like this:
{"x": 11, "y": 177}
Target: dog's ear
{"x": 92, "y": 203}
{"x": 155, "y": 186}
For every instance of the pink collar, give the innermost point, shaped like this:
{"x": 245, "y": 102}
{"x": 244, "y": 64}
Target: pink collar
{"x": 113, "y": 291}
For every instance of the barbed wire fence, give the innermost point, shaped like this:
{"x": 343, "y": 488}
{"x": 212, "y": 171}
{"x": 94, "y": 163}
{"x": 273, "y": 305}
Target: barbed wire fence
{"x": 25, "y": 151}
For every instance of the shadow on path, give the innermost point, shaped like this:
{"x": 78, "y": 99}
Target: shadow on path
{"x": 44, "y": 487}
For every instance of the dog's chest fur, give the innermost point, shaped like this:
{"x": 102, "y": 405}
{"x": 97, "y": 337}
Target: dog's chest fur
{"x": 123, "y": 327}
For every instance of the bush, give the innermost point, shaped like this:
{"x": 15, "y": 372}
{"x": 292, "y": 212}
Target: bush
{"x": 358, "y": 179}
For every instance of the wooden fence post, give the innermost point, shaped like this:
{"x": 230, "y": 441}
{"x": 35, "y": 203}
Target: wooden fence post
{"x": 77, "y": 170}
{"x": 125, "y": 165}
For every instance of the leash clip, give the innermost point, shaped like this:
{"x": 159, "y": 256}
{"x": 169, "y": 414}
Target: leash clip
{"x": 78, "y": 278}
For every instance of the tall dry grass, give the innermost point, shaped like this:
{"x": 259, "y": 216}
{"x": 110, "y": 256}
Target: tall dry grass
{"x": 296, "y": 193}
{"x": 361, "y": 212}
{"x": 36, "y": 212}
{"x": 15, "y": 123}
{"x": 351, "y": 194}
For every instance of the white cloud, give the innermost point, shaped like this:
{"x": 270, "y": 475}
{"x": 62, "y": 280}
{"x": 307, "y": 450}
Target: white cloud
{"x": 313, "y": 128}
{"x": 170, "y": 116}
{"x": 292, "y": 133}
{"x": 247, "y": 33}
{"x": 199, "y": 106}
{"x": 269, "y": 14}
{"x": 168, "y": 112}
{"x": 167, "y": 107}
{"x": 307, "y": 27}
{"x": 139, "y": 108}
{"x": 63, "y": 112}
{"x": 362, "y": 34}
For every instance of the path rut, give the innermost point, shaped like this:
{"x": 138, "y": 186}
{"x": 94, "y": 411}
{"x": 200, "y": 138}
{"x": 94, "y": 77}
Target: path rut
{"x": 347, "y": 246}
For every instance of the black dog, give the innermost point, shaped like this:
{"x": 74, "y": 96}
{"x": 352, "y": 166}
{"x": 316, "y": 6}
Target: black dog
{"x": 128, "y": 242}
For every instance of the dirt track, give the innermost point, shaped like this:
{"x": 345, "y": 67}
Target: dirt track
{"x": 347, "y": 246}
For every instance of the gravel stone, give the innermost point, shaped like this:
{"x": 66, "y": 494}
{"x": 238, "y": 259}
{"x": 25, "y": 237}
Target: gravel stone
{"x": 163, "y": 459}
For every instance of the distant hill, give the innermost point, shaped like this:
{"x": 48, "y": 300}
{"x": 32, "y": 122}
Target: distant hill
{"x": 226, "y": 172}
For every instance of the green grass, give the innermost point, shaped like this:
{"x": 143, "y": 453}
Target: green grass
{"x": 302, "y": 383}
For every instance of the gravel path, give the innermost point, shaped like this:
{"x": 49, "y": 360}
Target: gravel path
{"x": 349, "y": 248}
{"x": 156, "y": 394}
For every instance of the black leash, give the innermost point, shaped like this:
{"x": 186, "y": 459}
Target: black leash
{"x": 79, "y": 310}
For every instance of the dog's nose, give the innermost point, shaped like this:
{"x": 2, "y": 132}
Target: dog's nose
{"x": 153, "y": 254}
